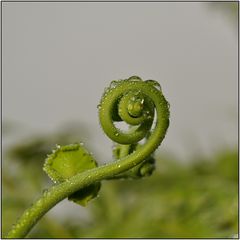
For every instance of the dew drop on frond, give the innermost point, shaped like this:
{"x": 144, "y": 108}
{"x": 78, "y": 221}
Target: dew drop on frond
{"x": 154, "y": 84}
{"x": 135, "y": 78}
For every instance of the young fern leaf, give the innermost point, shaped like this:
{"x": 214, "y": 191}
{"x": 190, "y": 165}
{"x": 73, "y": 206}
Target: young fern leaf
{"x": 133, "y": 101}
{"x": 67, "y": 161}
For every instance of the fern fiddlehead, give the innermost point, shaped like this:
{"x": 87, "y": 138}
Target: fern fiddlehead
{"x": 133, "y": 101}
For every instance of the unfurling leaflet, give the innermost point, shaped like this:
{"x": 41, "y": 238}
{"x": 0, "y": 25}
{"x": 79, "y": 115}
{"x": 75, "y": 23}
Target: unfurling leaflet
{"x": 76, "y": 174}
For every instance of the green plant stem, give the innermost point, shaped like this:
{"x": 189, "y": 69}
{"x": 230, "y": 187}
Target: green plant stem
{"x": 60, "y": 191}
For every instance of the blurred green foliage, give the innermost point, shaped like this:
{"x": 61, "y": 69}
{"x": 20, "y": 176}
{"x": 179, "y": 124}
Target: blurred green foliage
{"x": 180, "y": 200}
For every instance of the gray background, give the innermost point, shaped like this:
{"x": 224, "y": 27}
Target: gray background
{"x": 59, "y": 57}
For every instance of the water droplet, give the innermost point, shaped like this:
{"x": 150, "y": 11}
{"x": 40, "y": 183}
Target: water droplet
{"x": 27, "y": 213}
{"x": 135, "y": 109}
{"x": 58, "y": 146}
{"x": 135, "y": 78}
{"x": 39, "y": 203}
{"x": 81, "y": 143}
{"x": 155, "y": 84}
{"x": 99, "y": 106}
{"x": 133, "y": 98}
{"x": 130, "y": 107}
{"x": 113, "y": 84}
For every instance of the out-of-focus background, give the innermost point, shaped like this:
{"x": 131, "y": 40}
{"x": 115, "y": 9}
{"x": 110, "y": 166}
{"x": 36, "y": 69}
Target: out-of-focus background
{"x": 57, "y": 60}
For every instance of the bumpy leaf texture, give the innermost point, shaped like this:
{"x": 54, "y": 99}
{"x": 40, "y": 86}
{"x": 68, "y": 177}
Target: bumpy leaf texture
{"x": 67, "y": 161}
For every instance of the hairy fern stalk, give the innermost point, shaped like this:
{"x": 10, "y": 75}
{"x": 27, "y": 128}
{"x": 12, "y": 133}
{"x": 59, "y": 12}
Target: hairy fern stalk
{"x": 73, "y": 169}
